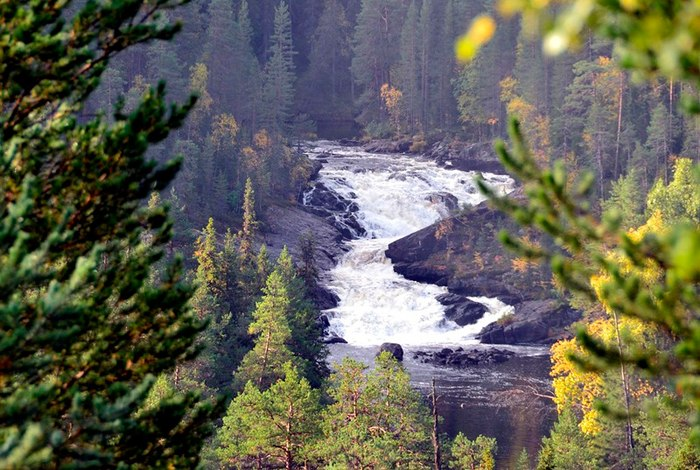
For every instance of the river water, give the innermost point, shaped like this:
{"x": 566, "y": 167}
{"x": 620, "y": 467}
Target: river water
{"x": 395, "y": 195}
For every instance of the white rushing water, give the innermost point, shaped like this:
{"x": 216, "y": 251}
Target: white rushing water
{"x": 393, "y": 193}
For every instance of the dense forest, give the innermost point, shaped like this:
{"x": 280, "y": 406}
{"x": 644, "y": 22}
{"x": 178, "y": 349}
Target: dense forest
{"x": 135, "y": 335}
{"x": 268, "y": 72}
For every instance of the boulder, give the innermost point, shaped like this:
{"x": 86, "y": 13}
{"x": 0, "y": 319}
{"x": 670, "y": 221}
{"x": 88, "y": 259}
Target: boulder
{"x": 449, "y": 201}
{"x": 478, "y": 156}
{"x": 533, "y": 322}
{"x": 334, "y": 208}
{"x": 392, "y": 348}
{"x": 463, "y": 253}
{"x": 285, "y": 226}
{"x": 460, "y": 309}
{"x": 333, "y": 339}
{"x": 459, "y": 358}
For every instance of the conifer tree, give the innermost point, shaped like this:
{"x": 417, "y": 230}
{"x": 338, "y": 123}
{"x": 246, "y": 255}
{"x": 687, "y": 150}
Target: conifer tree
{"x": 376, "y": 34}
{"x": 83, "y": 333}
{"x": 278, "y": 87}
{"x": 327, "y": 83}
{"x": 306, "y": 332}
{"x": 376, "y": 420}
{"x": 270, "y": 327}
{"x": 277, "y": 427}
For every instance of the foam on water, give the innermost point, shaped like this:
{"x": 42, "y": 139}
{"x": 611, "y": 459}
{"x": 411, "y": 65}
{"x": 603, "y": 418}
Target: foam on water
{"x": 393, "y": 194}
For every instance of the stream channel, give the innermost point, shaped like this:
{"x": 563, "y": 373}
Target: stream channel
{"x": 389, "y": 196}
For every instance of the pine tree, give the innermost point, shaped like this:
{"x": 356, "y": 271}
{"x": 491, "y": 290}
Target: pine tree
{"x": 376, "y": 420}
{"x": 409, "y": 68}
{"x": 270, "y": 327}
{"x": 83, "y": 333}
{"x": 278, "y": 87}
{"x": 473, "y": 455}
{"x": 276, "y": 427}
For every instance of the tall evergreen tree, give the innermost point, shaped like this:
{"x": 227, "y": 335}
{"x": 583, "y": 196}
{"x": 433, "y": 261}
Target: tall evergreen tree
{"x": 278, "y": 87}
{"x": 306, "y": 332}
{"x": 377, "y": 33}
{"x": 409, "y": 68}
{"x": 326, "y": 88}
{"x": 83, "y": 330}
{"x": 263, "y": 364}
{"x": 277, "y": 427}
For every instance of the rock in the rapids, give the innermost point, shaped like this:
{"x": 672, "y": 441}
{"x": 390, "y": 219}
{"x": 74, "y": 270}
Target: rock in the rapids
{"x": 464, "y": 254}
{"x": 446, "y": 199}
{"x": 392, "y": 348}
{"x": 459, "y": 358}
{"x": 533, "y": 322}
{"x": 460, "y": 309}
{"x": 334, "y": 339}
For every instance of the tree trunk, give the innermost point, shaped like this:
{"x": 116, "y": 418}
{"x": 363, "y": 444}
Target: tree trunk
{"x": 625, "y": 386}
{"x": 436, "y": 440}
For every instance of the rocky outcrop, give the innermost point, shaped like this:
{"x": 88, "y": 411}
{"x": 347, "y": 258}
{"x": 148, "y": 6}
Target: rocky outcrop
{"x": 388, "y": 146}
{"x": 285, "y": 225}
{"x": 478, "y": 156}
{"x": 333, "y": 339}
{"x": 463, "y": 253}
{"x": 461, "y": 358}
{"x": 533, "y": 322}
{"x": 392, "y": 348}
{"x": 334, "y": 209}
{"x": 460, "y": 309}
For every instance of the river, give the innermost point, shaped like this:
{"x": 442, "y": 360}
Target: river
{"x": 393, "y": 195}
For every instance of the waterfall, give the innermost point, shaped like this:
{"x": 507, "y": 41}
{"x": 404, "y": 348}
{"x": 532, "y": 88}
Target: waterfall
{"x": 393, "y": 196}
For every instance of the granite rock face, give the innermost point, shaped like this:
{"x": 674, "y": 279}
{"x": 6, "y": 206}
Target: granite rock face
{"x": 533, "y": 322}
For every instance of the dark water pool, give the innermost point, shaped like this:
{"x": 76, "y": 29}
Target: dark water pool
{"x": 499, "y": 400}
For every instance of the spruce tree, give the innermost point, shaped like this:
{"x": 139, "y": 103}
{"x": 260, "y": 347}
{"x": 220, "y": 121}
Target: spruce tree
{"x": 305, "y": 341}
{"x": 278, "y": 87}
{"x": 83, "y": 333}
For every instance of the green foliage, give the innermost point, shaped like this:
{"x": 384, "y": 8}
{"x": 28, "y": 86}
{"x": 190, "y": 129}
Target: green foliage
{"x": 278, "y": 87}
{"x": 661, "y": 289}
{"x": 523, "y": 462}
{"x": 567, "y": 447}
{"x": 84, "y": 330}
{"x": 306, "y": 331}
{"x": 473, "y": 455}
{"x": 680, "y": 199}
{"x": 263, "y": 365}
{"x": 376, "y": 420}
{"x": 626, "y": 200}
{"x": 276, "y": 427}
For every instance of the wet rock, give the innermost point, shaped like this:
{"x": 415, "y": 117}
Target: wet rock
{"x": 323, "y": 322}
{"x": 324, "y": 299}
{"x": 349, "y": 142}
{"x": 449, "y": 201}
{"x": 460, "y": 358}
{"x": 388, "y": 146}
{"x": 337, "y": 210}
{"x": 533, "y": 322}
{"x": 393, "y": 348}
{"x": 285, "y": 226}
{"x": 461, "y": 310}
{"x": 463, "y": 253}
{"x": 479, "y": 156}
{"x": 333, "y": 339}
